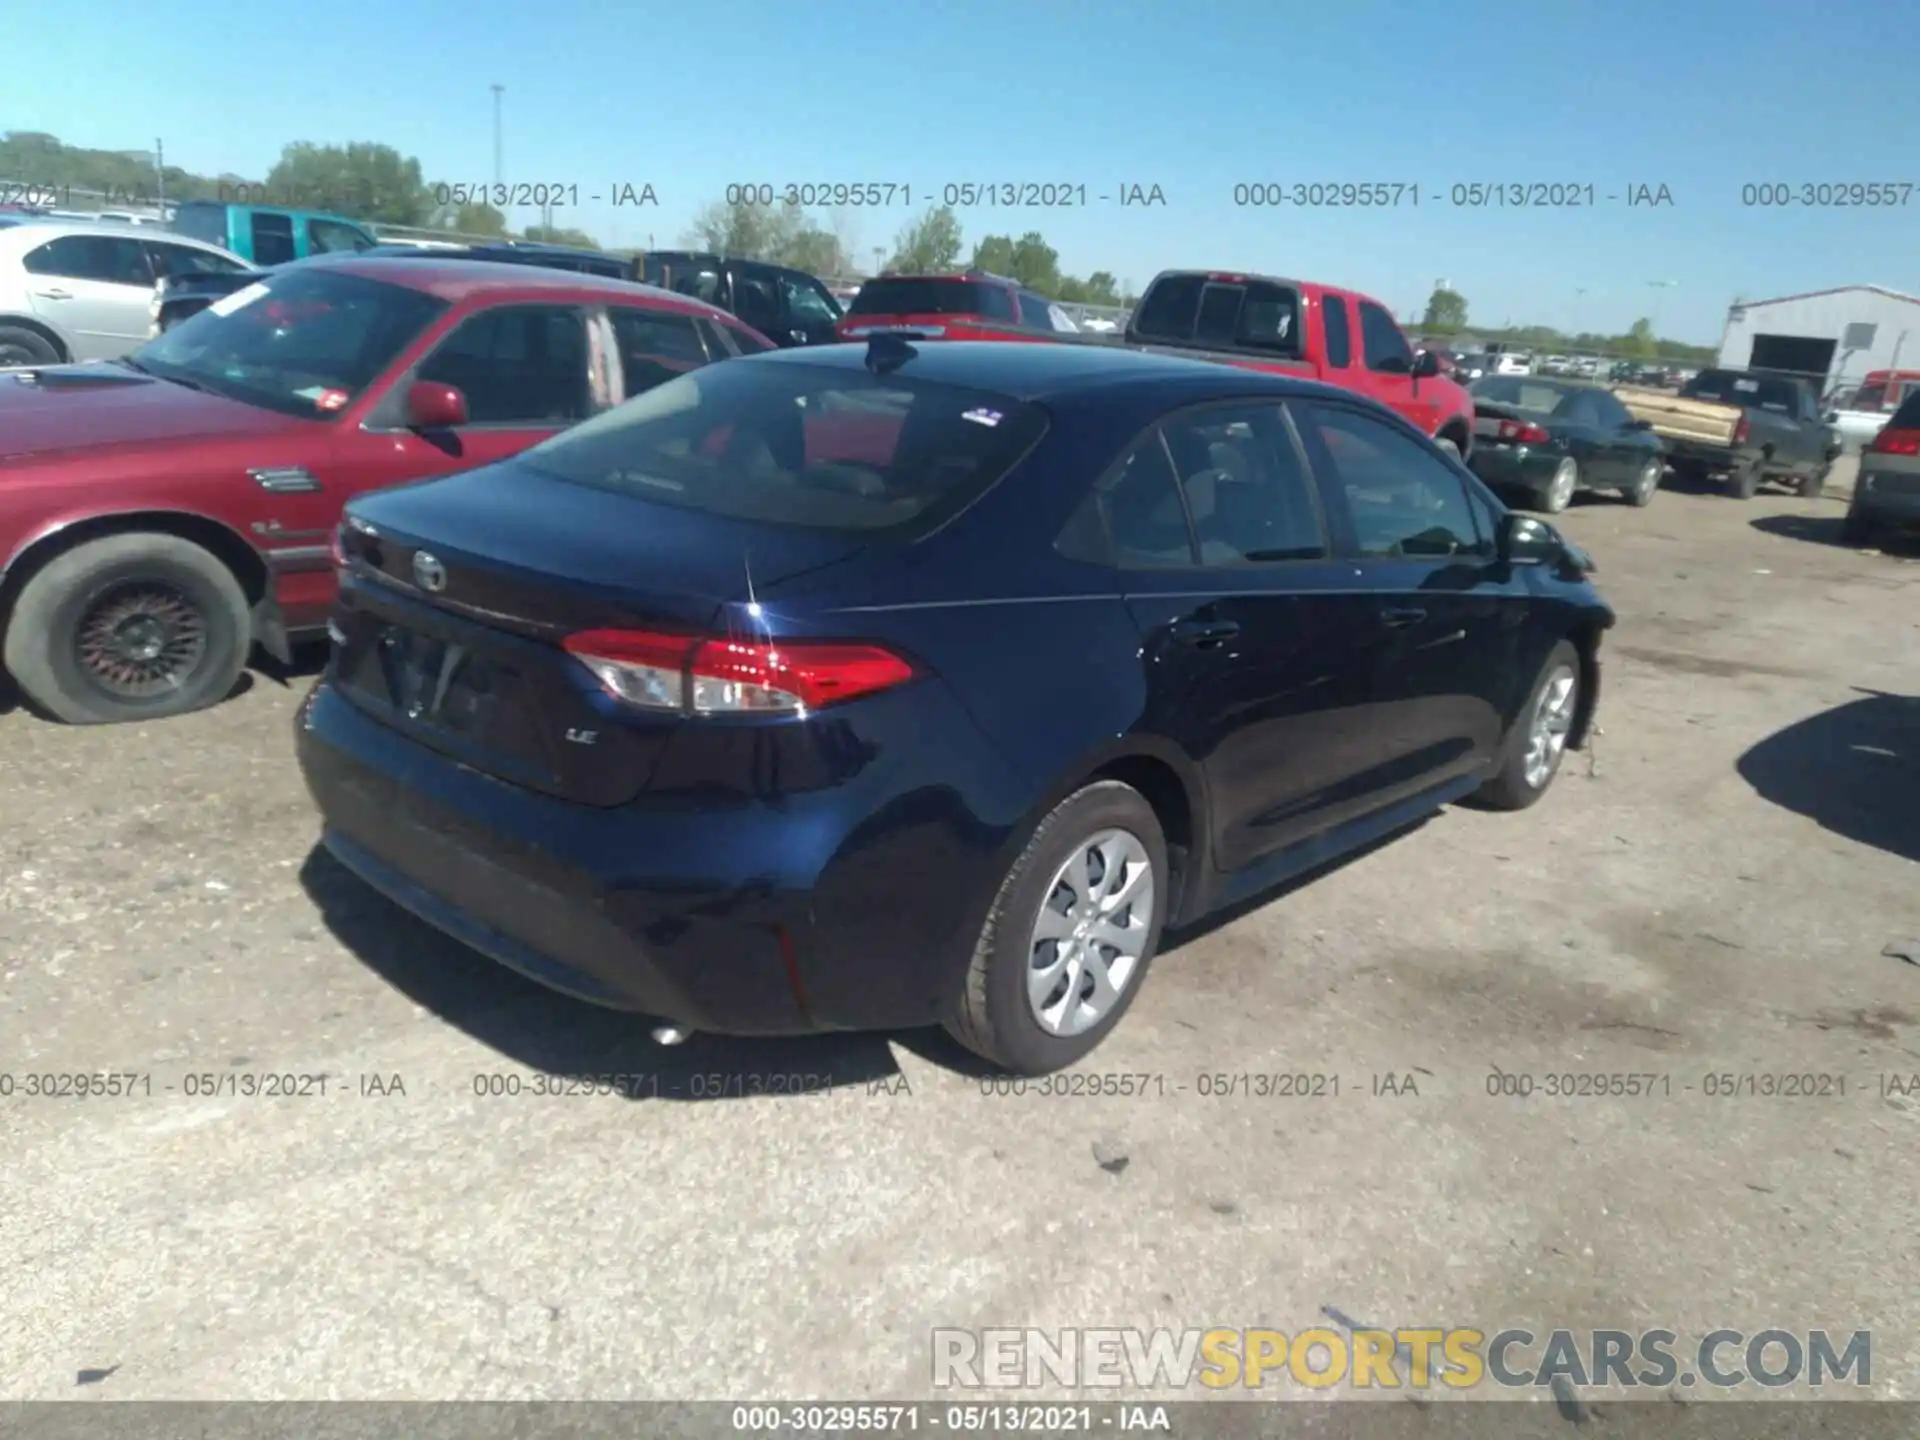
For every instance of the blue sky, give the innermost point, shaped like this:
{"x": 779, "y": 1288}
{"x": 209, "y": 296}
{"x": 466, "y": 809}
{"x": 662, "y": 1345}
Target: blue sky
{"x": 1701, "y": 96}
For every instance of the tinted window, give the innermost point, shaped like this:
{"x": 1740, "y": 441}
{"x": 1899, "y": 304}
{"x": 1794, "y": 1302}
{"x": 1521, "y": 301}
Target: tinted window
{"x": 1381, "y": 342}
{"x": 1729, "y": 387}
{"x": 1404, "y": 500}
{"x": 171, "y": 260}
{"x": 1138, "y": 510}
{"x": 517, "y": 365}
{"x": 304, "y": 341}
{"x": 1907, "y": 417}
{"x": 1247, "y": 490}
{"x": 1609, "y": 413}
{"x": 1333, "y": 315}
{"x": 808, "y": 307}
{"x": 272, "y": 239}
{"x": 756, "y": 302}
{"x": 1869, "y": 397}
{"x": 1036, "y": 311}
{"x": 655, "y": 346}
{"x": 112, "y": 259}
{"x": 1193, "y": 310}
{"x": 747, "y": 342}
{"x": 1515, "y": 392}
{"x": 893, "y": 295}
{"x": 325, "y": 235}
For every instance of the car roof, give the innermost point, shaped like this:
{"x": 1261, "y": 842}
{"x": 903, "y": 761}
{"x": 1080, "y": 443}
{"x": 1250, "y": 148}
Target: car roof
{"x": 1041, "y": 370}
{"x": 37, "y": 228}
{"x": 456, "y": 280}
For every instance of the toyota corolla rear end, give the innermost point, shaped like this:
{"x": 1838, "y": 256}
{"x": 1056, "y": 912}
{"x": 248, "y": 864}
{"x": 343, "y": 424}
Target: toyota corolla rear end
{"x": 569, "y": 719}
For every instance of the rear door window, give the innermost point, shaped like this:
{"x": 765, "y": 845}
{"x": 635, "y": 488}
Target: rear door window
{"x": 110, "y": 259}
{"x": 801, "y": 446}
{"x": 1333, "y": 319}
{"x": 174, "y": 260}
{"x": 655, "y": 346}
{"x": 1247, "y": 489}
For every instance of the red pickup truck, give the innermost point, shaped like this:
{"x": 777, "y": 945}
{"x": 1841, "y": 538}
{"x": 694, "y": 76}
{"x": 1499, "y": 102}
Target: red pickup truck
{"x": 1294, "y": 327}
{"x": 159, "y": 513}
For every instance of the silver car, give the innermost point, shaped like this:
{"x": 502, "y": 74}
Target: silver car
{"x": 82, "y": 290}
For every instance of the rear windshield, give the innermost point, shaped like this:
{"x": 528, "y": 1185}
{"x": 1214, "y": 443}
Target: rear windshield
{"x": 1907, "y": 417}
{"x": 931, "y": 297}
{"x": 790, "y": 444}
{"x": 1729, "y": 387}
{"x": 1520, "y": 392}
{"x": 1195, "y": 310}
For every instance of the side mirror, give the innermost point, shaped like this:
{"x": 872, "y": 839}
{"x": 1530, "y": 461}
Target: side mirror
{"x": 433, "y": 406}
{"x": 1426, "y": 363}
{"x": 1524, "y": 540}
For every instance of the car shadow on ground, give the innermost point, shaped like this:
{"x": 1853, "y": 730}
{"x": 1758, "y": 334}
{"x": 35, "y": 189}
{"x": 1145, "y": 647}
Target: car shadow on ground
{"x": 309, "y": 659}
{"x": 1828, "y": 530}
{"x": 1854, "y": 770}
{"x": 559, "y": 1036}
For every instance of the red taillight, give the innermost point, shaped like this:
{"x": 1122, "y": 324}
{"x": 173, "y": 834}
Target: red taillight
{"x": 1518, "y": 432}
{"x": 1741, "y": 430}
{"x": 721, "y": 677}
{"x": 1896, "y": 442}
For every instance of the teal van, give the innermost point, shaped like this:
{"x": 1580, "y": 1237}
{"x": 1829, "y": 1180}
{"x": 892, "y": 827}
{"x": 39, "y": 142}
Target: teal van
{"x": 268, "y": 235}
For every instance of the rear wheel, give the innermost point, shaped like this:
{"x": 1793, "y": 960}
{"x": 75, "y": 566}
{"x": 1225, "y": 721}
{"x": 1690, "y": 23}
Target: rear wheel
{"x": 1538, "y": 742}
{"x": 1071, "y": 934}
{"x": 129, "y": 627}
{"x": 1744, "y": 482}
{"x": 21, "y": 346}
{"x": 1641, "y": 491}
{"x": 1559, "y": 491}
{"x": 1814, "y": 484}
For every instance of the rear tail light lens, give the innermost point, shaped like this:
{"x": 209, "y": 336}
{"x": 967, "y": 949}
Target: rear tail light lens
{"x": 1741, "y": 431}
{"x": 1519, "y": 433}
{"x": 1896, "y": 442}
{"x": 702, "y": 676}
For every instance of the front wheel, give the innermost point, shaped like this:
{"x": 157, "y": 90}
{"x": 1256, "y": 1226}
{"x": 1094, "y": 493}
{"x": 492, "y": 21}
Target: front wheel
{"x": 128, "y": 627}
{"x": 1813, "y": 485}
{"x": 1538, "y": 742}
{"x": 1070, "y": 936}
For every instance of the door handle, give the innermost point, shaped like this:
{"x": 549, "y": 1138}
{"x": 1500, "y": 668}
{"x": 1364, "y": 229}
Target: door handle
{"x": 1399, "y": 617}
{"x": 1205, "y": 633}
{"x": 54, "y": 294}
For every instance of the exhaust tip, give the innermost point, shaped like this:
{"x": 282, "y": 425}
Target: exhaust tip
{"x": 668, "y": 1035}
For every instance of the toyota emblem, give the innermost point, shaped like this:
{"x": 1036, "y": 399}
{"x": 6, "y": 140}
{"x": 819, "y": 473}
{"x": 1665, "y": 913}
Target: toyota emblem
{"x": 428, "y": 573}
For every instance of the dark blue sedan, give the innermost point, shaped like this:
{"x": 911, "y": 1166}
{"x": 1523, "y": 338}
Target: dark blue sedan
{"x": 872, "y": 687}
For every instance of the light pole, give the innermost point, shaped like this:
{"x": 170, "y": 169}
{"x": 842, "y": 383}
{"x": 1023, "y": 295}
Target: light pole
{"x": 499, "y": 176}
{"x": 1573, "y": 321}
{"x": 879, "y": 257}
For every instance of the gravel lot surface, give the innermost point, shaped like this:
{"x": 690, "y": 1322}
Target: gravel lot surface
{"x": 1708, "y": 892}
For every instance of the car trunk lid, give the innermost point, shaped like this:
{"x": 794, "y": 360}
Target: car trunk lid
{"x": 459, "y": 592}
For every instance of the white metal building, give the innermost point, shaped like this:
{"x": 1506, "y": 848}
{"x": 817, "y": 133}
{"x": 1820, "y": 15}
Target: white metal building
{"x": 1830, "y": 336}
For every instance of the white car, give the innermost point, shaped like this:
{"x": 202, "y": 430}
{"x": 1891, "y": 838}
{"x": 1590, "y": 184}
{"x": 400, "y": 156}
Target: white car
{"x": 1507, "y": 363}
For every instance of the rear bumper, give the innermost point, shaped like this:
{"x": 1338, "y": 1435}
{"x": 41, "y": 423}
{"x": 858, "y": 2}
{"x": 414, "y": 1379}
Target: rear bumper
{"x": 1515, "y": 467}
{"x": 1889, "y": 509}
{"x": 1702, "y": 455}
{"x": 812, "y": 913}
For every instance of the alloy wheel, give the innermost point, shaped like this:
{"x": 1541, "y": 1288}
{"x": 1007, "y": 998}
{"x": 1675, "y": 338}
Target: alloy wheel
{"x": 1560, "y": 491}
{"x": 1552, "y": 722}
{"x": 1090, "y": 938}
{"x": 140, "y": 639}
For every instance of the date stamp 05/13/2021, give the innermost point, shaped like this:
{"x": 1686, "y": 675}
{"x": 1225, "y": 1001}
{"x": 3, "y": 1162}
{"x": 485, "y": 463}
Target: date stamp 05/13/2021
{"x": 1412, "y": 1083}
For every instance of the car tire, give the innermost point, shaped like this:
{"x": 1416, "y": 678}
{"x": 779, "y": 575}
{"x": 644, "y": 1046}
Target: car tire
{"x": 1641, "y": 492}
{"x": 999, "y": 1012}
{"x": 1744, "y": 482}
{"x": 1558, "y": 492}
{"x": 79, "y": 638}
{"x": 1524, "y": 776}
{"x": 1813, "y": 485}
{"x": 20, "y": 346}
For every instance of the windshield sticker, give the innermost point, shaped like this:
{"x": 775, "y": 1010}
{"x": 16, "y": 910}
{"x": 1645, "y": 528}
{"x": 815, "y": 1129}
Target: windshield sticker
{"x": 226, "y": 305}
{"x": 984, "y": 417}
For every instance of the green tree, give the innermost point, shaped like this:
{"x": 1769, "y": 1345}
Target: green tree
{"x": 1640, "y": 342}
{"x": 364, "y": 180}
{"x": 928, "y": 245}
{"x": 994, "y": 254}
{"x": 1446, "y": 310}
{"x": 747, "y": 232}
{"x": 471, "y": 219}
{"x": 1036, "y": 264}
